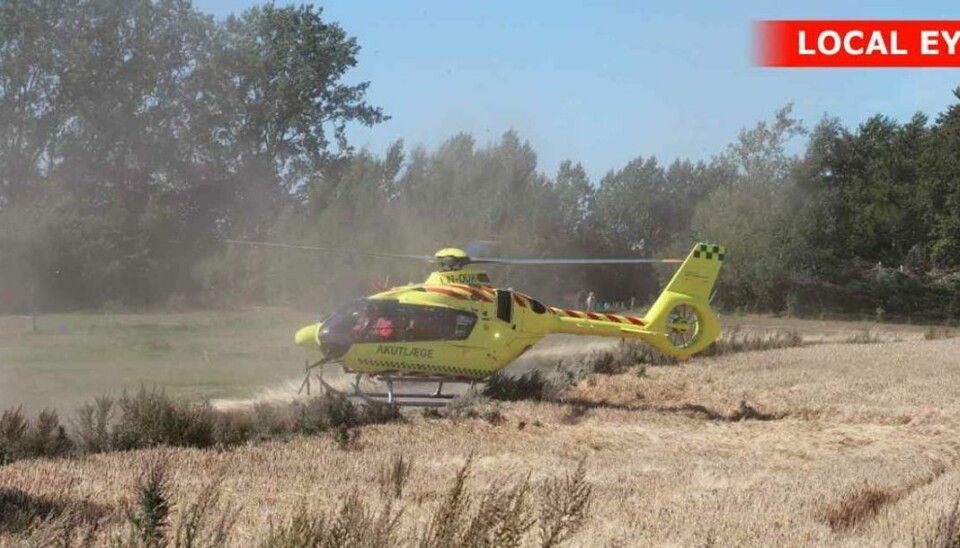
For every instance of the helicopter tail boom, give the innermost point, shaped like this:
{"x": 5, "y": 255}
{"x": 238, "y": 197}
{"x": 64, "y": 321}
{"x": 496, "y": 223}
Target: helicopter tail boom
{"x": 680, "y": 323}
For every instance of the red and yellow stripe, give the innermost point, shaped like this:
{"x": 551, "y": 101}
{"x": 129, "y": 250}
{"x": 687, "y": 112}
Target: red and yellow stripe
{"x": 613, "y": 318}
{"x": 477, "y": 292}
{"x": 463, "y": 292}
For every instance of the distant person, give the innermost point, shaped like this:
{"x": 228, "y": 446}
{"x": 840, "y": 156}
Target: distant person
{"x": 383, "y": 328}
{"x": 591, "y": 301}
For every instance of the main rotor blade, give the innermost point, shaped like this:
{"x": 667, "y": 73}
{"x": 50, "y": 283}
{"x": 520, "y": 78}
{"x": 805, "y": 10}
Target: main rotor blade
{"x": 334, "y": 249}
{"x": 520, "y": 261}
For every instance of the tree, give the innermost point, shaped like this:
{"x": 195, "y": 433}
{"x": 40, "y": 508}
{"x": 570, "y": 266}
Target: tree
{"x": 942, "y": 186}
{"x": 748, "y": 214}
{"x": 144, "y": 132}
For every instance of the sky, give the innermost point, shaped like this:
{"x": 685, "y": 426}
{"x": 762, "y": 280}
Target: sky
{"x": 604, "y": 82}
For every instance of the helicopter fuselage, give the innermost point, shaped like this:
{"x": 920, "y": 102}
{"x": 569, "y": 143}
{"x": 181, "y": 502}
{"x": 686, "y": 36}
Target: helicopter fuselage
{"x": 457, "y": 325}
{"x": 447, "y": 328}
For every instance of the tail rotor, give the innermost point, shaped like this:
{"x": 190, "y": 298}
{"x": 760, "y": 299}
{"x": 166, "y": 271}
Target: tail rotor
{"x": 683, "y": 326}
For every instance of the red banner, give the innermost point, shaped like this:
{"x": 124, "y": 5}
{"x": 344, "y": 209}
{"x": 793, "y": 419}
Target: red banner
{"x": 858, "y": 43}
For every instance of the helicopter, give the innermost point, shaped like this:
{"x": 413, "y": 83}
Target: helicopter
{"x": 456, "y": 327}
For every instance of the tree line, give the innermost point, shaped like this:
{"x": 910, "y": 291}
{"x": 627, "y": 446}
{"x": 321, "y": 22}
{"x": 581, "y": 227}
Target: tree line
{"x": 138, "y": 135}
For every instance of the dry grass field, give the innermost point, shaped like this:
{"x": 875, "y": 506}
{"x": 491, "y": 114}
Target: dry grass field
{"x": 831, "y": 444}
{"x": 73, "y": 358}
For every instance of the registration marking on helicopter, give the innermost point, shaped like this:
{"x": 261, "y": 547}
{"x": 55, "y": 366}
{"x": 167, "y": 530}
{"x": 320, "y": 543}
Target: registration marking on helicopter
{"x": 470, "y": 278}
{"x": 405, "y": 351}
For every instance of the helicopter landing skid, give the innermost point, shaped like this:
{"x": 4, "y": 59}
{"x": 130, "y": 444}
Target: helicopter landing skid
{"x": 435, "y": 398}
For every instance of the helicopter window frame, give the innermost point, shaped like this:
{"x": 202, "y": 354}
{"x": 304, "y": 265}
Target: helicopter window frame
{"x": 390, "y": 321}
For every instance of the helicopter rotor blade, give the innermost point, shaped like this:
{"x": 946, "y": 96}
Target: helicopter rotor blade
{"x": 333, "y": 249}
{"x": 477, "y": 247}
{"x": 549, "y": 261}
{"x": 477, "y": 260}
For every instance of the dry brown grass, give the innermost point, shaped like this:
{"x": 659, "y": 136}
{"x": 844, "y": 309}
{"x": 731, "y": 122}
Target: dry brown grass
{"x": 828, "y": 444}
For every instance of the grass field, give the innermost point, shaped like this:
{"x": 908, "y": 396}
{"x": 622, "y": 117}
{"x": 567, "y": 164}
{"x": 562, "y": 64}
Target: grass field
{"x": 75, "y": 357}
{"x": 827, "y": 444}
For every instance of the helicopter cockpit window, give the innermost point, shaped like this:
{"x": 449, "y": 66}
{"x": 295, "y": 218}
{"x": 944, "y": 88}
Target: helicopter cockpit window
{"x": 371, "y": 320}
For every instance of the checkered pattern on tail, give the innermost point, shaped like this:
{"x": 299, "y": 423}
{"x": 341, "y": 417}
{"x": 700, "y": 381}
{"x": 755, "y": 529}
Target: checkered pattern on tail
{"x": 710, "y": 252}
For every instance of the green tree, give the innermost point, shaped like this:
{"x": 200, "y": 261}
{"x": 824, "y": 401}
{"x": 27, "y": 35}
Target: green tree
{"x": 941, "y": 170}
{"x": 141, "y": 132}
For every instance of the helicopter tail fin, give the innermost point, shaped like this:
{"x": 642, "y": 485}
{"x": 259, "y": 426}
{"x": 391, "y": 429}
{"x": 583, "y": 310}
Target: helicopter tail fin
{"x": 681, "y": 323}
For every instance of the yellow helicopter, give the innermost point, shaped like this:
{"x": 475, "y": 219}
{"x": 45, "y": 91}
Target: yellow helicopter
{"x": 457, "y": 327}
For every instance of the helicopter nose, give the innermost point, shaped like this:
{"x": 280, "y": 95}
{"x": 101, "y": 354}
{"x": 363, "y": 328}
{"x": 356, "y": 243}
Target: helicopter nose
{"x": 308, "y": 337}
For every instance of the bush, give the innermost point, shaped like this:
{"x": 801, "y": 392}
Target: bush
{"x": 379, "y": 413}
{"x": 336, "y": 412}
{"x": 151, "y": 418}
{"x": 864, "y": 337}
{"x": 504, "y": 387}
{"x": 44, "y": 437}
{"x": 149, "y": 518}
{"x": 13, "y": 433}
{"x": 466, "y": 406}
{"x": 885, "y": 294}
{"x": 92, "y": 425}
{"x": 734, "y": 342}
{"x": 325, "y": 413}
{"x": 934, "y": 333}
{"x": 47, "y": 438}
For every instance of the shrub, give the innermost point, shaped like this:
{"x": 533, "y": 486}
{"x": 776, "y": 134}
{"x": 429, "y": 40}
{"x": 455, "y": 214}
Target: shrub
{"x": 864, "y": 337}
{"x": 504, "y": 387}
{"x": 151, "y": 418}
{"x": 933, "y": 333}
{"x": 47, "y": 438}
{"x": 466, "y": 406}
{"x": 44, "y": 437}
{"x": 379, "y": 413}
{"x": 234, "y": 428}
{"x": 149, "y": 518}
{"x": 431, "y": 413}
{"x": 324, "y": 413}
{"x": 92, "y": 425}
{"x": 734, "y": 342}
{"x": 626, "y": 355}
{"x": 13, "y": 434}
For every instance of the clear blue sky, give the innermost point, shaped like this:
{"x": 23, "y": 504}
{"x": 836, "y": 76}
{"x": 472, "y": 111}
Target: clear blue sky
{"x": 604, "y": 82}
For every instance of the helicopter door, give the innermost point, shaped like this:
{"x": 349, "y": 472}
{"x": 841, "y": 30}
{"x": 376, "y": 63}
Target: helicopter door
{"x": 504, "y": 305}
